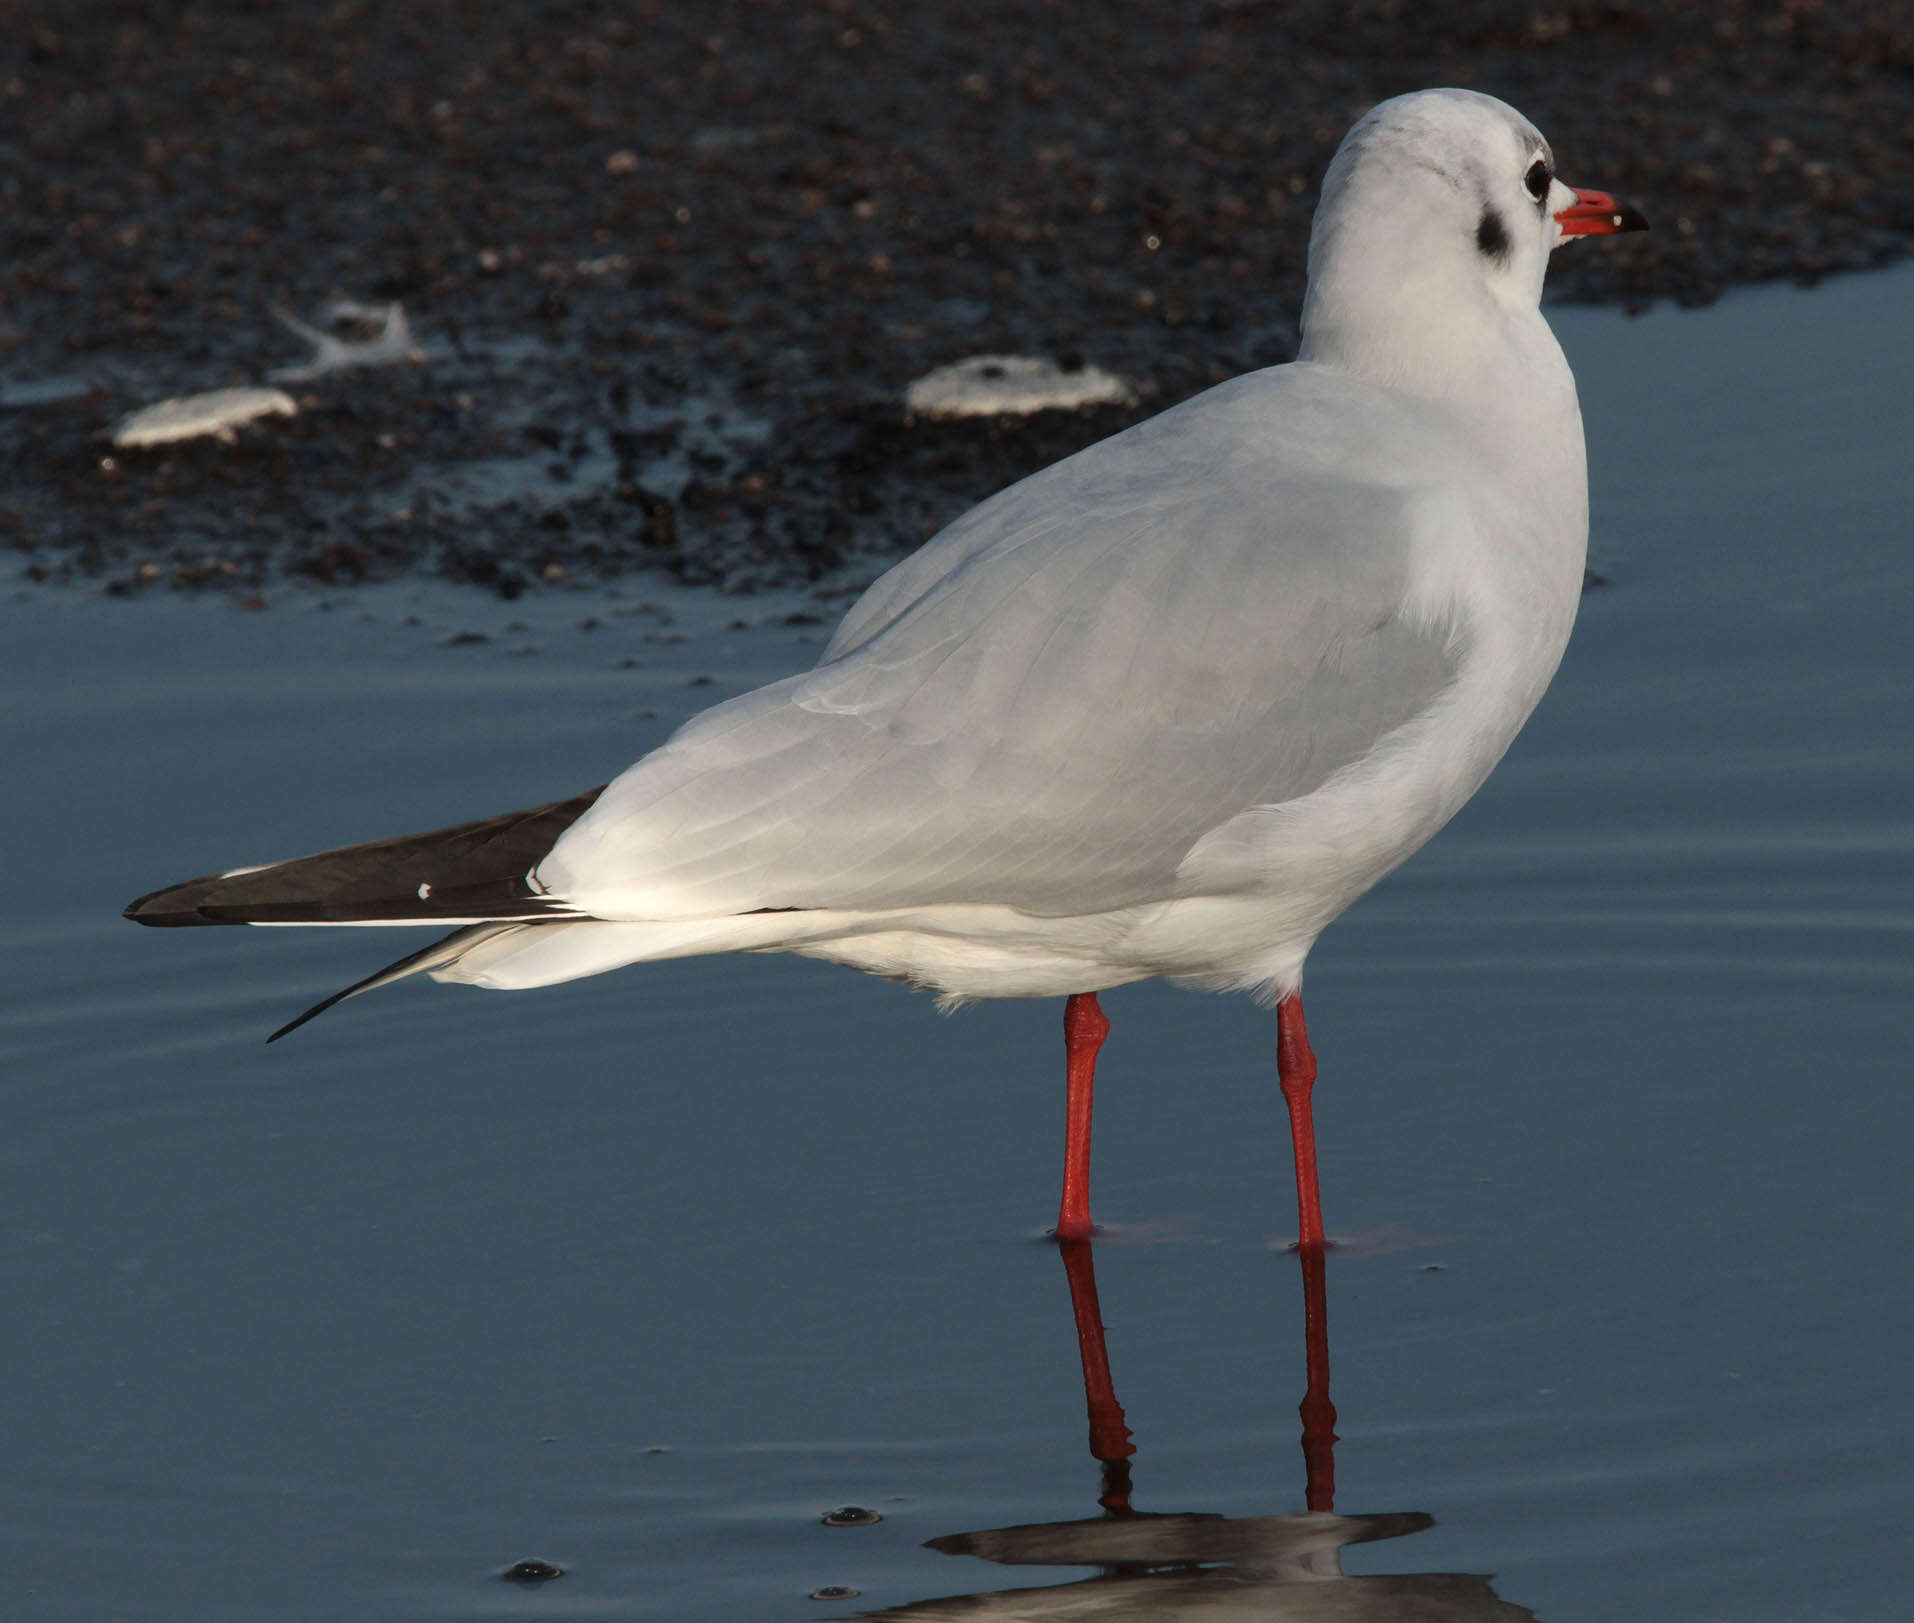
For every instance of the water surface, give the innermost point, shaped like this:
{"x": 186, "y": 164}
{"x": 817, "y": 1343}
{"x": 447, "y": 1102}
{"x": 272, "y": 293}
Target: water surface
{"x": 641, "y": 1275}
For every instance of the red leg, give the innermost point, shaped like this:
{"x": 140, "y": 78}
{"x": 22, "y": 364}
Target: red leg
{"x": 1296, "y": 1066}
{"x": 1084, "y": 1028}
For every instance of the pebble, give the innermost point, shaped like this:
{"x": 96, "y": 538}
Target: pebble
{"x": 194, "y": 416}
{"x": 1012, "y": 386}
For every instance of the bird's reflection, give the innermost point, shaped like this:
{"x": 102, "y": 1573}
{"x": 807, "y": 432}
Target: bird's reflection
{"x": 1210, "y": 1567}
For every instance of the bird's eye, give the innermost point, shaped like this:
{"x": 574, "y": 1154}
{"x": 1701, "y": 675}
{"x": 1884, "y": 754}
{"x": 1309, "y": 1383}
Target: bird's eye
{"x": 1537, "y": 180}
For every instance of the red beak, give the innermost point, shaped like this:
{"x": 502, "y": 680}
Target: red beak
{"x": 1596, "y": 214}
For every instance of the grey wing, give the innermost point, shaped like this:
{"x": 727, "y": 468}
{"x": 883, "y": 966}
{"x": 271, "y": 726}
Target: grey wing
{"x": 1050, "y": 727}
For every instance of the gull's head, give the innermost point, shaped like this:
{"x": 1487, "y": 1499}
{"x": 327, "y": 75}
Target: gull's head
{"x": 1438, "y": 215}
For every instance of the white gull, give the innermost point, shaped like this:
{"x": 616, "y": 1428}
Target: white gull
{"x": 1165, "y": 708}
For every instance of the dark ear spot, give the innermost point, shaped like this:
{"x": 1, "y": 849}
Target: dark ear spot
{"x": 1491, "y": 235}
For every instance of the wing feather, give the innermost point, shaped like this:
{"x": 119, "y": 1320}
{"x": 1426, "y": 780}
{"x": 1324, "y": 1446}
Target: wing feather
{"x": 450, "y": 875}
{"x": 1058, "y": 698}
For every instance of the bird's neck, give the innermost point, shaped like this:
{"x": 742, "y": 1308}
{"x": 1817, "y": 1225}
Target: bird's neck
{"x": 1399, "y": 301}
{"x": 1475, "y": 351}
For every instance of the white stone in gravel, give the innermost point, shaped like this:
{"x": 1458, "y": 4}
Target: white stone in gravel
{"x": 188, "y": 417}
{"x": 1012, "y": 386}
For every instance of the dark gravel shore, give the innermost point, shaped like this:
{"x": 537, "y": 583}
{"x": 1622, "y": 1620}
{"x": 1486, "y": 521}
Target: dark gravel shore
{"x": 673, "y": 264}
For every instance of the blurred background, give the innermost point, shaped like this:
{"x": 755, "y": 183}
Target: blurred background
{"x": 657, "y": 245}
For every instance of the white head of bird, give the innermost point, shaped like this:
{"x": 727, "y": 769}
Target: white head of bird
{"x": 1438, "y": 215}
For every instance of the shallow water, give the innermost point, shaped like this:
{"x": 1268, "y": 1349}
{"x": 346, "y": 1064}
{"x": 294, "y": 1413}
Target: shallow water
{"x": 641, "y": 1275}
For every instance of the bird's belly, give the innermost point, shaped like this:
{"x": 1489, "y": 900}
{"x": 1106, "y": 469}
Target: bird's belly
{"x": 964, "y": 951}
{"x": 1250, "y": 897}
{"x": 1253, "y": 895}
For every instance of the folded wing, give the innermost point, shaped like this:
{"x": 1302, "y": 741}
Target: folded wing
{"x": 451, "y": 875}
{"x": 1055, "y": 700}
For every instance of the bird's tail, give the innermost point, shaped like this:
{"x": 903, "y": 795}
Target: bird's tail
{"x": 514, "y": 954}
{"x": 476, "y": 875}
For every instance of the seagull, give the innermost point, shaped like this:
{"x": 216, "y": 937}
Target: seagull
{"x": 1165, "y": 708}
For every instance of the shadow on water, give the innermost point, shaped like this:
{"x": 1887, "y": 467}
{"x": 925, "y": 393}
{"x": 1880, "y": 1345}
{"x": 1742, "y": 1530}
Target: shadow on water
{"x": 1195, "y": 1564}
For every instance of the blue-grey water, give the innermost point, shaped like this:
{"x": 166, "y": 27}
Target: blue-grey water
{"x": 640, "y": 1275}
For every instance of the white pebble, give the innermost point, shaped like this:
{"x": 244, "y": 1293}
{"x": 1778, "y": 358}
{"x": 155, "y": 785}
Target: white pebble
{"x": 1011, "y": 386}
{"x": 188, "y": 417}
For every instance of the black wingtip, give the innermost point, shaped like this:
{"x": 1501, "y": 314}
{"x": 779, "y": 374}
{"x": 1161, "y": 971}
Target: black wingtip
{"x": 377, "y": 978}
{"x": 447, "y": 949}
{"x": 295, "y": 1024}
{"x": 470, "y": 872}
{"x": 162, "y": 908}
